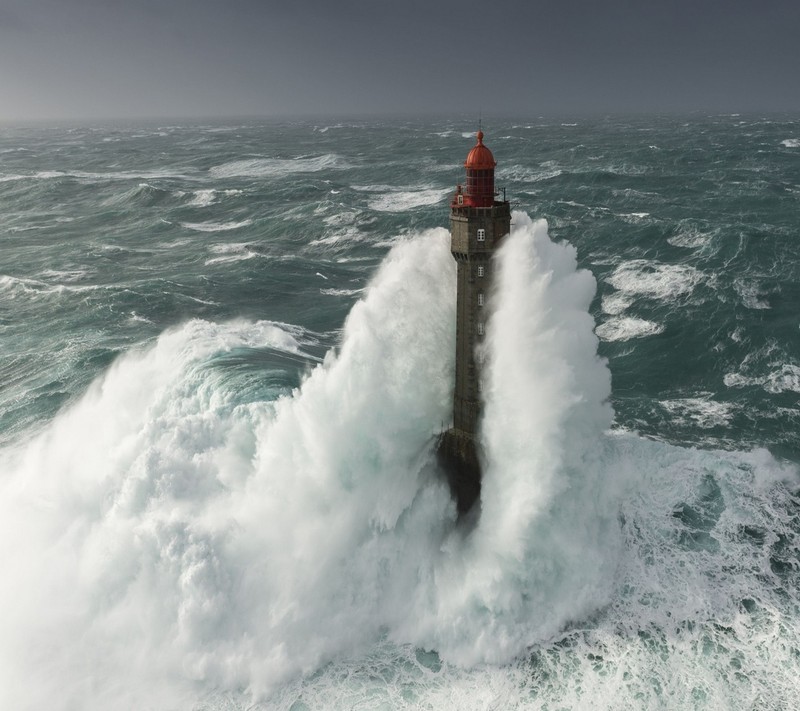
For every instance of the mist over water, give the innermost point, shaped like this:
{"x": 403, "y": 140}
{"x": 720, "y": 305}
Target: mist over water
{"x": 228, "y": 510}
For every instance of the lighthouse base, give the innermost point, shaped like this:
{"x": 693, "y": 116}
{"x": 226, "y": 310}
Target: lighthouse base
{"x": 457, "y": 454}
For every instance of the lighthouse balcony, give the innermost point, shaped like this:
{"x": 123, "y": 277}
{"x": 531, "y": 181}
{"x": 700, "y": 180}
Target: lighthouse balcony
{"x": 497, "y": 209}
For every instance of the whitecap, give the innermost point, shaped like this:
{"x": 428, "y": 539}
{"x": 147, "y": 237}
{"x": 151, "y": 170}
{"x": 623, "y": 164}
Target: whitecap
{"x": 787, "y": 377}
{"x": 203, "y": 198}
{"x": 20, "y": 285}
{"x": 616, "y": 302}
{"x": 208, "y": 196}
{"x": 378, "y": 188}
{"x": 402, "y": 201}
{"x": 655, "y": 280}
{"x": 68, "y": 275}
{"x": 34, "y": 288}
{"x": 626, "y": 327}
{"x": 275, "y": 167}
{"x": 784, "y": 377}
{"x": 349, "y": 234}
{"x": 215, "y": 226}
{"x": 635, "y": 218}
{"x": 235, "y": 252}
{"x": 750, "y": 293}
{"x": 701, "y": 411}
{"x": 690, "y": 237}
{"x": 526, "y": 174}
{"x": 343, "y": 218}
{"x": 791, "y": 143}
{"x": 340, "y": 292}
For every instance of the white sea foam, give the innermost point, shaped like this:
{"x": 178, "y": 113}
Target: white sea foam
{"x": 91, "y": 177}
{"x": 655, "y": 279}
{"x": 166, "y": 545}
{"x": 215, "y": 226}
{"x": 752, "y": 296}
{"x": 526, "y": 174}
{"x": 376, "y": 188}
{"x": 64, "y": 275}
{"x": 205, "y": 197}
{"x": 340, "y": 292}
{"x": 402, "y": 201}
{"x": 785, "y": 377}
{"x": 276, "y": 167}
{"x": 791, "y": 143}
{"x": 536, "y": 559}
{"x": 236, "y": 252}
{"x": 179, "y": 502}
{"x": 635, "y": 218}
{"x": 616, "y": 302}
{"x": 626, "y": 327}
{"x": 690, "y": 237}
{"x": 339, "y": 237}
{"x": 16, "y": 287}
{"x": 700, "y": 411}
{"x": 344, "y": 218}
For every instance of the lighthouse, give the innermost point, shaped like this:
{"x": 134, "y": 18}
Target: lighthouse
{"x": 478, "y": 224}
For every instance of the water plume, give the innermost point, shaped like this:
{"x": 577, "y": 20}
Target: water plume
{"x": 546, "y": 545}
{"x": 165, "y": 536}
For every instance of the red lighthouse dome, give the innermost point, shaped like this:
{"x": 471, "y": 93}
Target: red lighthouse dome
{"x": 480, "y": 157}
{"x": 480, "y": 165}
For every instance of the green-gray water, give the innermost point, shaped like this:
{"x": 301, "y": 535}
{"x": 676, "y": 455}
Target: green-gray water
{"x": 185, "y": 526}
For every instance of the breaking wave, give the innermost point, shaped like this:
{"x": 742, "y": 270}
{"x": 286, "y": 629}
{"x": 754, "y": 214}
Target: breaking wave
{"x": 655, "y": 280}
{"x": 276, "y": 167}
{"x": 168, "y": 539}
{"x": 216, "y": 226}
{"x": 626, "y": 327}
{"x": 408, "y": 200}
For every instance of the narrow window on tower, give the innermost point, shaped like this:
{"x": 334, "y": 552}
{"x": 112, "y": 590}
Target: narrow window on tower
{"x": 480, "y": 299}
{"x": 481, "y": 235}
{"x": 480, "y": 328}
{"x": 480, "y": 271}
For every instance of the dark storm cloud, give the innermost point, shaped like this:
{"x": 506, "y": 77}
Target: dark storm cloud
{"x": 115, "y": 58}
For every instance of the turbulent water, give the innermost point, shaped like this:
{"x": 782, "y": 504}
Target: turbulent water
{"x": 226, "y": 351}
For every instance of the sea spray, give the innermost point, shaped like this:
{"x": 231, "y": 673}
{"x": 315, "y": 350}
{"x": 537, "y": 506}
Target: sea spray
{"x": 159, "y": 532}
{"x": 547, "y": 541}
{"x": 168, "y": 534}
{"x": 345, "y": 511}
{"x": 103, "y": 530}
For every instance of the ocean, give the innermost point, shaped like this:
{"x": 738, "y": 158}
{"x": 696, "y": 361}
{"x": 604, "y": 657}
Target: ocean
{"x": 227, "y": 350}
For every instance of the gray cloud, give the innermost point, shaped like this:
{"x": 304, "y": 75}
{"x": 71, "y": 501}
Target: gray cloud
{"x": 95, "y": 59}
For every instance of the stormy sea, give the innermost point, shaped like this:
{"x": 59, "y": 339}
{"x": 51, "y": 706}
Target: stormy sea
{"x": 226, "y": 353}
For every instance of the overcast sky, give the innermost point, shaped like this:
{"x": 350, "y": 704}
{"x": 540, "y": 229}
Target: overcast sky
{"x": 99, "y": 59}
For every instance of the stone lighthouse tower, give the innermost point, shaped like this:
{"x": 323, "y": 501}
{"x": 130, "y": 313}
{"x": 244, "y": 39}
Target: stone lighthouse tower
{"x": 478, "y": 223}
